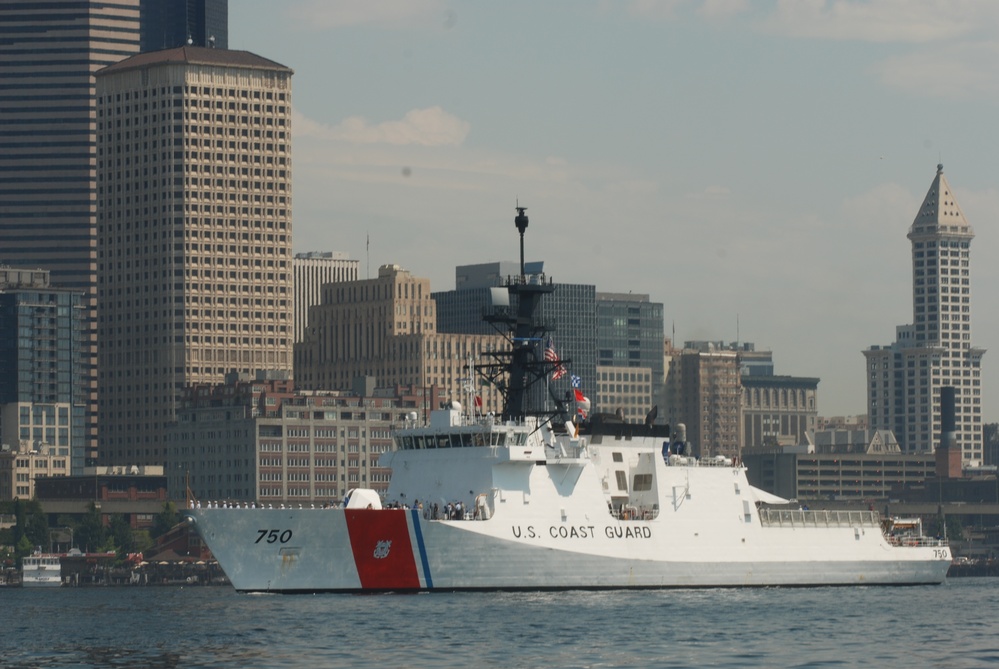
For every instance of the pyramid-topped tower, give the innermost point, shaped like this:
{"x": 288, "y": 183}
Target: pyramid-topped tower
{"x": 904, "y": 379}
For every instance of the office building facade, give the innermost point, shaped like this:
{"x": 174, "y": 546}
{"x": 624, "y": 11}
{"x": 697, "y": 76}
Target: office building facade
{"x": 43, "y": 368}
{"x": 193, "y": 234}
{"x": 311, "y": 272}
{"x": 386, "y": 328}
{"x": 263, "y": 441}
{"x": 629, "y": 338}
{"x": 935, "y": 350}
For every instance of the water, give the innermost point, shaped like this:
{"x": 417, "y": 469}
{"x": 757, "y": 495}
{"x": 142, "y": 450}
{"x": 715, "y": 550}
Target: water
{"x": 952, "y": 626}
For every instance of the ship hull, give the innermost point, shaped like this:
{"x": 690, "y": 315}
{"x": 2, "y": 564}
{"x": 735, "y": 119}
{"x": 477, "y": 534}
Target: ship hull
{"x": 345, "y": 550}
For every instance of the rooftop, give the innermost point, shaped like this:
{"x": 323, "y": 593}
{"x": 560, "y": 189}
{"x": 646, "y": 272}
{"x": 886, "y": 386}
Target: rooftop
{"x": 195, "y": 55}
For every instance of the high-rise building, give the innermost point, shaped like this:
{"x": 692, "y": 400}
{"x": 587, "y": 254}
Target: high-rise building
{"x": 385, "y": 328}
{"x": 171, "y": 23}
{"x": 312, "y": 271}
{"x": 705, "y": 395}
{"x": 193, "y": 234}
{"x": 935, "y": 350}
{"x": 629, "y": 339}
{"x": 49, "y": 52}
{"x": 43, "y": 371}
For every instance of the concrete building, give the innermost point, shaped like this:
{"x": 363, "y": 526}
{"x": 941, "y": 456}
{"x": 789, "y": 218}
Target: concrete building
{"x": 386, "y": 328}
{"x": 22, "y": 465}
{"x": 935, "y": 350}
{"x": 311, "y": 272}
{"x": 263, "y": 441}
{"x": 135, "y": 493}
{"x": 44, "y": 379}
{"x": 626, "y": 392}
{"x": 629, "y": 339}
{"x": 171, "y": 23}
{"x": 193, "y": 234}
{"x": 706, "y": 396}
{"x": 857, "y": 465}
{"x": 728, "y": 393}
{"x": 777, "y": 410}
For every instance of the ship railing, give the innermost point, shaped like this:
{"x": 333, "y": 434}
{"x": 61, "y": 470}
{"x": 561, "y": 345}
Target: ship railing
{"x": 818, "y": 518}
{"x": 914, "y": 540}
{"x": 691, "y": 461}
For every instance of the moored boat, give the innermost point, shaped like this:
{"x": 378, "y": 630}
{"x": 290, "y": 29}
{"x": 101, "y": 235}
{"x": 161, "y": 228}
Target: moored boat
{"x": 41, "y": 570}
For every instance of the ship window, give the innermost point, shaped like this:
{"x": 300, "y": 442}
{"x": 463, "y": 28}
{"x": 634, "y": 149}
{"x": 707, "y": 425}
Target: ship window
{"x": 618, "y": 458}
{"x": 443, "y": 441}
{"x": 622, "y": 480}
{"x": 643, "y": 482}
{"x": 420, "y": 442}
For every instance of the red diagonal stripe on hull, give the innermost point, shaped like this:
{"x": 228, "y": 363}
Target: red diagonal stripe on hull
{"x": 381, "y": 565}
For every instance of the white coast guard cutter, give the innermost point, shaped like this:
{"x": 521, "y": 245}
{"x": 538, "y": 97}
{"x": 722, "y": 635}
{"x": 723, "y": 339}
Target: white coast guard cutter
{"x": 547, "y": 504}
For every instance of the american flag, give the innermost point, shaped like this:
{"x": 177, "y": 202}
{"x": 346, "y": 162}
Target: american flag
{"x": 551, "y": 356}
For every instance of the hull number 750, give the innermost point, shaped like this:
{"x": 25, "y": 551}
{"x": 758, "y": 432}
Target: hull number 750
{"x": 273, "y": 536}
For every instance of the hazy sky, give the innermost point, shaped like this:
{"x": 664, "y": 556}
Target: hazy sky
{"x": 754, "y": 166}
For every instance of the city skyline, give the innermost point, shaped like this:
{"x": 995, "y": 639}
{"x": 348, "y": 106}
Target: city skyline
{"x": 754, "y": 167}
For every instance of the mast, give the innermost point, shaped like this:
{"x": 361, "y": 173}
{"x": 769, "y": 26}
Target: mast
{"x": 522, "y": 366}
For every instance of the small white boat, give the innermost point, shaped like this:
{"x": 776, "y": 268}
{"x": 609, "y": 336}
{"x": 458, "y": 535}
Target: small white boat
{"x": 41, "y": 570}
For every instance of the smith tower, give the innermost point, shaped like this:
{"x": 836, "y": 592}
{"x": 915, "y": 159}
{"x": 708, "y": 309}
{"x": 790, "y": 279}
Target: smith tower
{"x": 904, "y": 379}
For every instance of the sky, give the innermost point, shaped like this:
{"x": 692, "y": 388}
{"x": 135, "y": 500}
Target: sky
{"x": 752, "y": 165}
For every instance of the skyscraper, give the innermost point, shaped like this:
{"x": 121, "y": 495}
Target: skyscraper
{"x": 171, "y": 23}
{"x": 193, "y": 234}
{"x": 904, "y": 378}
{"x": 49, "y": 51}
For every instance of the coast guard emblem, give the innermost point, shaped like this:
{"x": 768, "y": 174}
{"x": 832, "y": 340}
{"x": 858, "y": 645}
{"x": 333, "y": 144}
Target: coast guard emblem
{"x": 382, "y": 550}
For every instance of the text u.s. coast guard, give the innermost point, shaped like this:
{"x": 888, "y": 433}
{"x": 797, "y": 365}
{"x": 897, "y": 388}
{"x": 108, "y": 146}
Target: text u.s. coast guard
{"x": 581, "y": 532}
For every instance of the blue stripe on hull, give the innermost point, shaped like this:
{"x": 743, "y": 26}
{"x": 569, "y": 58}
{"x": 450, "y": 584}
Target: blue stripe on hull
{"x": 428, "y": 582}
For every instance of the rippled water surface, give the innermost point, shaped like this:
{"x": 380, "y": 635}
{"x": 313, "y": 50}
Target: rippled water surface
{"x": 954, "y": 625}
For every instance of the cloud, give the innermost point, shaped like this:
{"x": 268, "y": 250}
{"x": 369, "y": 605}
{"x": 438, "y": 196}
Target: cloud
{"x": 422, "y": 127}
{"x": 327, "y": 14}
{"x": 884, "y": 21}
{"x": 669, "y": 9}
{"x": 960, "y": 70}
{"x": 713, "y": 192}
{"x": 722, "y": 9}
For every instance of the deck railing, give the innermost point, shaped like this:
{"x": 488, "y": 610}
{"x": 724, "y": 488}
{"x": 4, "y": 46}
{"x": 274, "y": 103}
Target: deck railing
{"x": 809, "y": 518}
